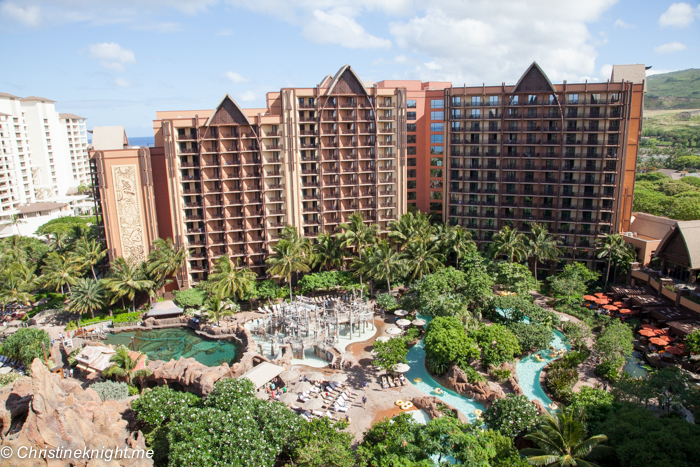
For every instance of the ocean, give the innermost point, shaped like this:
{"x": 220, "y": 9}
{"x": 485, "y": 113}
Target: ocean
{"x": 142, "y": 141}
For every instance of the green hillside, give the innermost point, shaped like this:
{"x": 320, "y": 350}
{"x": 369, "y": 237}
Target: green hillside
{"x": 675, "y": 90}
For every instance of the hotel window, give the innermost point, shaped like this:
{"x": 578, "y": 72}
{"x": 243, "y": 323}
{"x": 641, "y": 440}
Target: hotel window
{"x": 476, "y": 113}
{"x": 437, "y": 127}
{"x": 456, "y": 113}
{"x": 436, "y": 149}
{"x": 457, "y": 100}
{"x": 411, "y": 162}
{"x": 476, "y": 100}
{"x": 552, "y": 99}
{"x": 595, "y": 98}
{"x": 411, "y": 103}
{"x": 437, "y": 115}
{"x": 437, "y": 103}
{"x": 436, "y": 161}
{"x": 411, "y": 139}
{"x": 513, "y": 100}
{"x": 411, "y": 184}
{"x": 573, "y": 98}
{"x": 456, "y": 126}
{"x": 410, "y": 127}
{"x": 436, "y": 173}
{"x": 436, "y": 206}
{"x": 411, "y": 173}
{"x": 411, "y": 150}
{"x": 437, "y": 139}
{"x": 436, "y": 195}
{"x": 493, "y": 100}
{"x": 410, "y": 116}
{"x": 411, "y": 195}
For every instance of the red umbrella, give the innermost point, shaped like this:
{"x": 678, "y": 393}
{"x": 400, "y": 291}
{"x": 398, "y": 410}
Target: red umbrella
{"x": 659, "y": 341}
{"x": 602, "y": 301}
{"x": 618, "y": 303}
{"x": 674, "y": 350}
{"x": 647, "y": 333}
{"x": 662, "y": 332}
{"x": 590, "y": 298}
{"x": 626, "y": 311}
{"x": 599, "y": 294}
{"x": 610, "y": 307}
{"x": 649, "y": 326}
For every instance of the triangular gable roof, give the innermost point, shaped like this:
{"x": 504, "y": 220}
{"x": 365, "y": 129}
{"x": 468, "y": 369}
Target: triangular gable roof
{"x": 534, "y": 80}
{"x": 346, "y": 81}
{"x": 325, "y": 81}
{"x": 227, "y": 112}
{"x": 689, "y": 231}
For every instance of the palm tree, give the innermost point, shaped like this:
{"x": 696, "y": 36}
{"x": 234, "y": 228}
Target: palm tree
{"x": 327, "y": 252}
{"x": 457, "y": 241}
{"x": 218, "y": 308}
{"x": 561, "y": 441}
{"x": 541, "y": 245}
{"x": 87, "y": 297}
{"x": 510, "y": 243}
{"x": 90, "y": 253}
{"x": 15, "y": 221}
{"x": 124, "y": 365}
{"x": 230, "y": 280}
{"x": 422, "y": 257}
{"x": 381, "y": 262}
{"x": 60, "y": 270}
{"x": 164, "y": 260}
{"x": 358, "y": 235}
{"x": 614, "y": 248}
{"x": 126, "y": 279}
{"x": 289, "y": 258}
{"x": 59, "y": 241}
{"x": 14, "y": 290}
{"x": 408, "y": 227}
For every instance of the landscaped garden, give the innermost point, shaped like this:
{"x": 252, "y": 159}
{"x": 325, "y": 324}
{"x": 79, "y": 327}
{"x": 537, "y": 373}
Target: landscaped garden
{"x": 486, "y": 342}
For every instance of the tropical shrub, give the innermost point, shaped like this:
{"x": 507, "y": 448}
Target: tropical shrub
{"x": 500, "y": 374}
{"x": 325, "y": 280}
{"x": 387, "y": 302}
{"x": 531, "y": 337}
{"x": 613, "y": 345}
{"x": 390, "y": 353}
{"x": 498, "y": 345}
{"x": 446, "y": 344}
{"x": 576, "y": 333}
{"x": 561, "y": 378}
{"x": 190, "y": 298}
{"x": 692, "y": 341}
{"x": 270, "y": 290}
{"x": 516, "y": 278}
{"x": 513, "y": 416}
{"x": 595, "y": 401}
{"x": 111, "y": 390}
{"x": 9, "y": 378}
{"x": 25, "y": 345}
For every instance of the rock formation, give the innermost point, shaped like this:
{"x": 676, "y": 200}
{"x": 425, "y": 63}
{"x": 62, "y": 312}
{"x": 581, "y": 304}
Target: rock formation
{"x": 479, "y": 391}
{"x": 513, "y": 381}
{"x": 429, "y": 404}
{"x": 60, "y": 413}
{"x": 189, "y": 374}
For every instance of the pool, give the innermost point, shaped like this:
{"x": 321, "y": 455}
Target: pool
{"x": 427, "y": 385}
{"x": 173, "y": 343}
{"x": 529, "y": 369}
{"x": 634, "y": 366}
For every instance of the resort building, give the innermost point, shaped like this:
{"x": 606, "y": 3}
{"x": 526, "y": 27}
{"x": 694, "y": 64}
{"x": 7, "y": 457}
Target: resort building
{"x": 43, "y": 156}
{"x": 227, "y": 180}
{"x": 561, "y": 155}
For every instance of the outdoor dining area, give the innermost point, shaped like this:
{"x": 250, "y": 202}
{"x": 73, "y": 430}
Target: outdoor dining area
{"x": 609, "y": 305}
{"x": 316, "y": 396}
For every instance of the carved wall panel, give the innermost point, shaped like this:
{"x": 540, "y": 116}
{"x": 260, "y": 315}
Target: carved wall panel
{"x": 128, "y": 204}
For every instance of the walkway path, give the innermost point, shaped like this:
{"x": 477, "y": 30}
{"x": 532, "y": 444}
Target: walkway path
{"x": 586, "y": 371}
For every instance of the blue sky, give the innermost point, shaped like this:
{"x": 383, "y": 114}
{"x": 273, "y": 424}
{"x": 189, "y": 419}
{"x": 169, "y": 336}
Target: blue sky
{"x": 117, "y": 65}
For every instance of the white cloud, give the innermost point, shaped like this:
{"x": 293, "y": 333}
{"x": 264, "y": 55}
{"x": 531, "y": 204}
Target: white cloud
{"x": 606, "y": 72}
{"x": 112, "y": 56}
{"x": 338, "y": 28}
{"x": 28, "y": 16}
{"x": 492, "y": 41}
{"x": 678, "y": 15}
{"x": 248, "y": 96}
{"x": 622, "y": 25}
{"x": 670, "y": 48}
{"x": 234, "y": 77}
{"x": 122, "y": 83}
{"x": 658, "y": 72}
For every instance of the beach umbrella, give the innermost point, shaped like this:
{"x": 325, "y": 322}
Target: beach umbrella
{"x": 403, "y": 322}
{"x": 394, "y": 331}
{"x": 618, "y": 303}
{"x": 401, "y": 368}
{"x": 418, "y": 322}
{"x": 315, "y": 404}
{"x": 610, "y": 307}
{"x": 626, "y": 311}
{"x": 382, "y": 338}
{"x": 400, "y": 312}
{"x": 674, "y": 350}
{"x": 590, "y": 298}
{"x": 659, "y": 341}
{"x": 647, "y": 332}
{"x": 338, "y": 377}
{"x": 303, "y": 386}
{"x": 599, "y": 294}
{"x": 314, "y": 376}
{"x": 602, "y": 301}
{"x": 288, "y": 398}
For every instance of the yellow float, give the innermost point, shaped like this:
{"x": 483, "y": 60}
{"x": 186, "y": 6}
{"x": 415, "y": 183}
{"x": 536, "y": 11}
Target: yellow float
{"x": 553, "y": 406}
{"x": 439, "y": 391}
{"x": 399, "y": 402}
{"x": 478, "y": 413}
{"x": 406, "y": 405}
{"x": 417, "y": 380}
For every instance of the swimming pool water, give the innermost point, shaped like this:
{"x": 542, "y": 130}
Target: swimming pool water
{"x": 173, "y": 343}
{"x": 634, "y": 367}
{"x": 529, "y": 369}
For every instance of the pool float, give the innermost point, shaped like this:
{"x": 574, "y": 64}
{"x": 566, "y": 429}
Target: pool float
{"x": 478, "y": 413}
{"x": 399, "y": 402}
{"x": 417, "y": 380}
{"x": 406, "y": 405}
{"x": 439, "y": 391}
{"x": 538, "y": 357}
{"x": 553, "y": 406}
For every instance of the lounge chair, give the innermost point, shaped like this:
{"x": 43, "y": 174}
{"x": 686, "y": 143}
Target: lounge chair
{"x": 339, "y": 408}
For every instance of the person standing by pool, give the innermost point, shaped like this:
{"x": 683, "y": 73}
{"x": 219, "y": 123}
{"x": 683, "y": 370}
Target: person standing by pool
{"x": 364, "y": 401}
